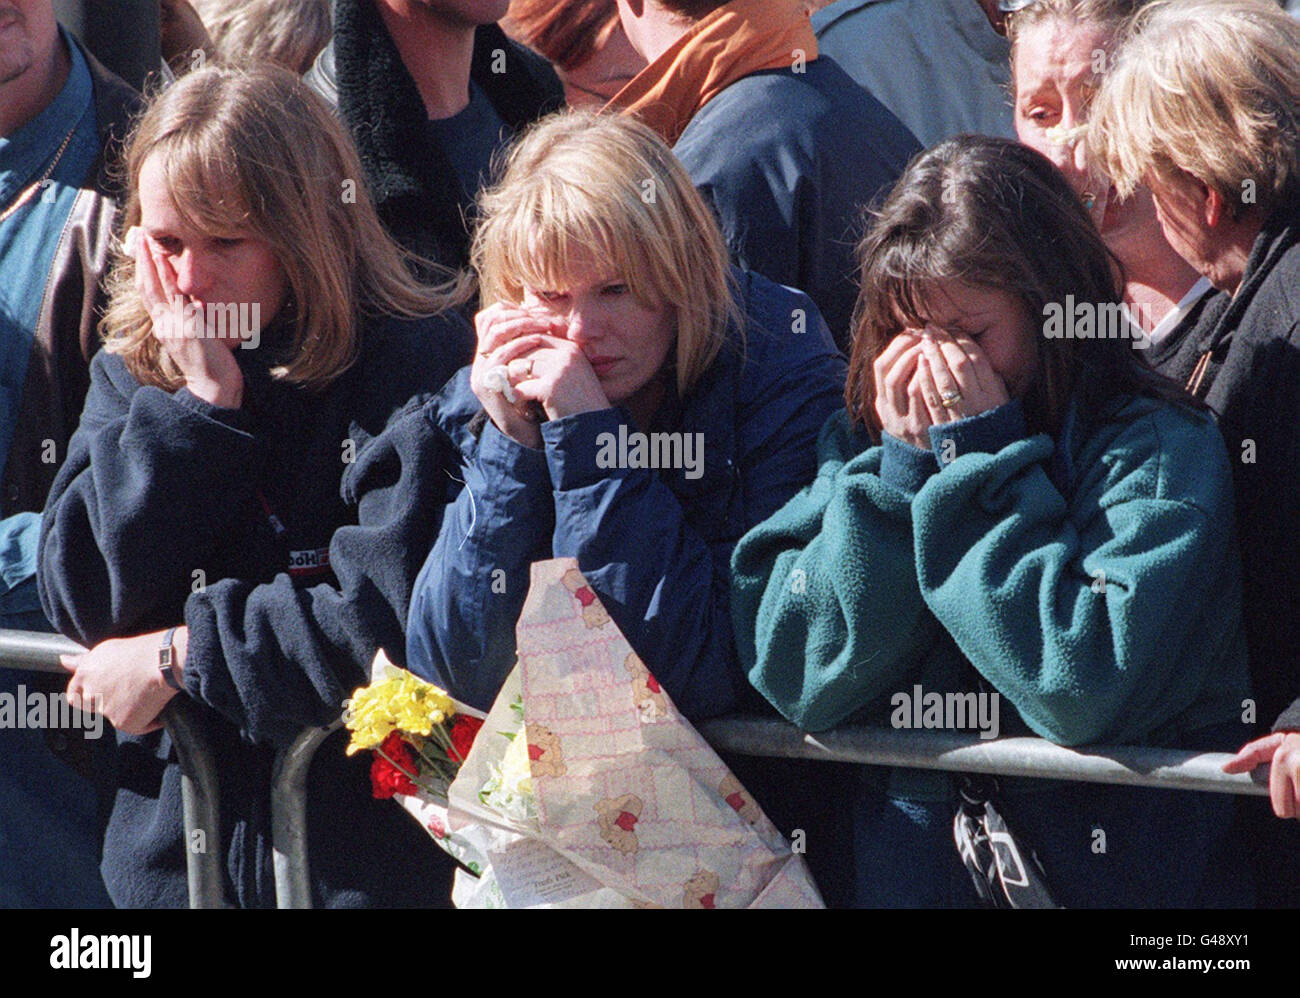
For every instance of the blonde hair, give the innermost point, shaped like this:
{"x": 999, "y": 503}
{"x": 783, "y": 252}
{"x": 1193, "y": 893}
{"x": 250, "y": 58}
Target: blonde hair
{"x": 290, "y": 33}
{"x": 1208, "y": 88}
{"x": 255, "y": 152}
{"x": 580, "y": 182}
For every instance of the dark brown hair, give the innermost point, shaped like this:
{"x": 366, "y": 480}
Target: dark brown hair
{"x": 995, "y": 214}
{"x": 566, "y": 32}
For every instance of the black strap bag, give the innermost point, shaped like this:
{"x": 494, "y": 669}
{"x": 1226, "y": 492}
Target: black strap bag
{"x": 1005, "y": 872}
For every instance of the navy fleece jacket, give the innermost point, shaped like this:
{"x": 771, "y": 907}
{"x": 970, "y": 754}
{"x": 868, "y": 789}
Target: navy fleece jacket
{"x": 286, "y": 535}
{"x": 787, "y": 158}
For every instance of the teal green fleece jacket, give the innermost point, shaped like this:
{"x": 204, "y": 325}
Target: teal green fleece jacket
{"x": 1095, "y": 584}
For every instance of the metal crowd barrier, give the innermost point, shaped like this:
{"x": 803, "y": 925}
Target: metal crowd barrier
{"x": 1134, "y": 766}
{"x": 1033, "y": 757}
{"x": 39, "y": 652}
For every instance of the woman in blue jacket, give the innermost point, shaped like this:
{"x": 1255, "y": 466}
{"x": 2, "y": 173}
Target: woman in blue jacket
{"x": 1012, "y": 506}
{"x": 613, "y": 319}
{"x": 235, "y": 521}
{"x": 635, "y": 404}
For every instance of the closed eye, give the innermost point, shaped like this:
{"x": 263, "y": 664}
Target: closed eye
{"x": 168, "y": 244}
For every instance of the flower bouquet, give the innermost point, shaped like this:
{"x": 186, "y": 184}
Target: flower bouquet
{"x": 583, "y": 786}
{"x": 420, "y": 738}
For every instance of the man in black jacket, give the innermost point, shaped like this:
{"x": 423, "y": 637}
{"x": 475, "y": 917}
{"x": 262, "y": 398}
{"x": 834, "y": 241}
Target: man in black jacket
{"x": 430, "y": 90}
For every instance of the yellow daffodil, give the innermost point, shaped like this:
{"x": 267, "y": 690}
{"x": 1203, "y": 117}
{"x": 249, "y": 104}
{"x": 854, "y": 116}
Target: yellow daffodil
{"x": 403, "y": 703}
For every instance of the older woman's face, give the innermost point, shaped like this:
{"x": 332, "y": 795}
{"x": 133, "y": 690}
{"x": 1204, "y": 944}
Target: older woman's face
{"x": 626, "y": 343}
{"x": 1055, "y": 64}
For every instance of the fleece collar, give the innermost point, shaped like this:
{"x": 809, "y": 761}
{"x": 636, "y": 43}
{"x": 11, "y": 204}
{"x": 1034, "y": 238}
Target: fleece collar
{"x": 411, "y": 179}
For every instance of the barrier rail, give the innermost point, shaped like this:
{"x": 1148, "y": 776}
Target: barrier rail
{"x": 1035, "y": 757}
{"x": 1030, "y": 757}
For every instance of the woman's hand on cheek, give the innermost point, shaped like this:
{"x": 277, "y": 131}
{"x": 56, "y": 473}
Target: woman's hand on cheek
{"x": 963, "y": 382}
{"x": 900, "y": 405}
{"x": 554, "y": 373}
{"x": 208, "y": 364}
{"x": 499, "y": 327}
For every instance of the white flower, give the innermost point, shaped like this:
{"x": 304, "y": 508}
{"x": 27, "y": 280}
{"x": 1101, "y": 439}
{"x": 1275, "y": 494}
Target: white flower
{"x": 509, "y": 791}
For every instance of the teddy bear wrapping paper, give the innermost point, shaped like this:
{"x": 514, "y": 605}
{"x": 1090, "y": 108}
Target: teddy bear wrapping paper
{"x": 586, "y": 788}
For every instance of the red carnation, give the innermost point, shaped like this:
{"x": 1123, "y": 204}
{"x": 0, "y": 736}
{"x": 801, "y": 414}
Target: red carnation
{"x": 463, "y": 731}
{"x": 386, "y": 778}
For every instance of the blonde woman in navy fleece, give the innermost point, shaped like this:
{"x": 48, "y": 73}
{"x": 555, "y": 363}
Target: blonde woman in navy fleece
{"x": 233, "y": 524}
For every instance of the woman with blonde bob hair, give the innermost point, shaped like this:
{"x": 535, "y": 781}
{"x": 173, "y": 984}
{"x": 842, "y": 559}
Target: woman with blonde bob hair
{"x": 1203, "y": 106}
{"x": 587, "y": 184}
{"x": 636, "y": 403}
{"x": 236, "y": 522}
{"x": 610, "y": 313}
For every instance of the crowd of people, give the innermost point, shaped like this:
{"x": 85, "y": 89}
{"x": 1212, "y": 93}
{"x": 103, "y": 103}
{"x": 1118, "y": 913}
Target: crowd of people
{"x": 979, "y": 321}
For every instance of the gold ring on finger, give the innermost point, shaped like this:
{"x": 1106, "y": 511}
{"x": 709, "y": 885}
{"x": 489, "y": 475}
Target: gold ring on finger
{"x": 950, "y": 399}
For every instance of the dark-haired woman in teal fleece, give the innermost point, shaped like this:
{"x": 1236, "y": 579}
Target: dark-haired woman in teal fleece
{"x": 1008, "y": 507}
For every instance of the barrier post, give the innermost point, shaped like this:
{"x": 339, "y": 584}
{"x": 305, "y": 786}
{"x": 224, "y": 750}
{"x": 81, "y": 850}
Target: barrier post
{"x": 289, "y": 818}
